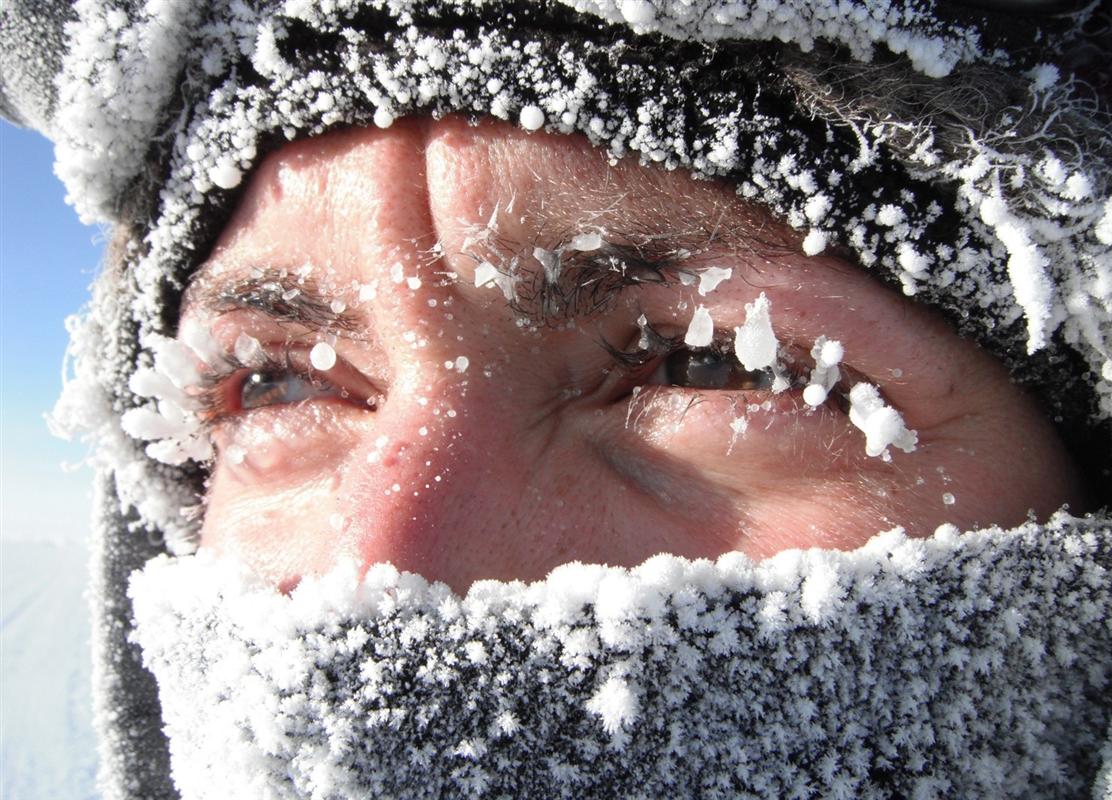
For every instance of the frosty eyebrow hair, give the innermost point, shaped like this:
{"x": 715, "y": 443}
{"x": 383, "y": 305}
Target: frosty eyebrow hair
{"x": 571, "y": 283}
{"x": 279, "y": 294}
{"x": 561, "y": 281}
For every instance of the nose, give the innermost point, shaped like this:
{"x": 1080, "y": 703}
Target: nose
{"x": 462, "y": 475}
{"x": 449, "y": 489}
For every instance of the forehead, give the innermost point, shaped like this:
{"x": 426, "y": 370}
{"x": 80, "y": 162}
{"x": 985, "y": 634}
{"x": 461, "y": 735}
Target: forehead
{"x": 366, "y": 195}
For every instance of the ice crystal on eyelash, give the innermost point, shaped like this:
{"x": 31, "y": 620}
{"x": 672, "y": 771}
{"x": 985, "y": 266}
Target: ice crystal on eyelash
{"x": 827, "y": 353}
{"x": 700, "y": 332}
{"x": 755, "y": 342}
{"x": 882, "y": 425}
{"x": 322, "y": 356}
{"x": 169, "y": 422}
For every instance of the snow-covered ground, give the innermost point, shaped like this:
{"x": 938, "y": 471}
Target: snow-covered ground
{"x": 46, "y": 738}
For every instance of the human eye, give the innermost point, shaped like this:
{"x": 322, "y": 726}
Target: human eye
{"x": 697, "y": 396}
{"x": 667, "y": 361}
{"x": 272, "y": 379}
{"x": 284, "y": 405}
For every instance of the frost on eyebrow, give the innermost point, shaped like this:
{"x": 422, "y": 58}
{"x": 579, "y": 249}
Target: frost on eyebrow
{"x": 580, "y": 275}
{"x": 278, "y": 293}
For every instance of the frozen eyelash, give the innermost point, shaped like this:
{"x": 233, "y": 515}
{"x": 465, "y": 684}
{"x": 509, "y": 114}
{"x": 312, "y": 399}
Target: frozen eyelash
{"x": 790, "y": 366}
{"x": 654, "y": 345}
{"x": 211, "y": 389}
{"x": 651, "y": 346}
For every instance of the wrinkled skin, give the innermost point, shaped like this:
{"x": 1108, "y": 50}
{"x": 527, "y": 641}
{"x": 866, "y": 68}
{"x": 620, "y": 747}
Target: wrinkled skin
{"x": 541, "y": 451}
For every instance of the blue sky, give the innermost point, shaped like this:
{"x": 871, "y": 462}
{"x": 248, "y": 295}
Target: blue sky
{"x": 47, "y": 261}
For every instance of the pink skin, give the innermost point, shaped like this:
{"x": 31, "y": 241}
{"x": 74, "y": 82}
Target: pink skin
{"x": 536, "y": 454}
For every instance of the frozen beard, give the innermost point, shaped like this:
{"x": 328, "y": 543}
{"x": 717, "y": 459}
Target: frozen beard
{"x": 972, "y": 665}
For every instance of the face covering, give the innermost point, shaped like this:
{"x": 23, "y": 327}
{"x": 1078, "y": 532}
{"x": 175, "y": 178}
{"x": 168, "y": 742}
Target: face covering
{"x": 972, "y": 665}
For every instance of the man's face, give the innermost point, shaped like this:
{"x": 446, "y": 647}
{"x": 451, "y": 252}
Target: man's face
{"x": 435, "y": 344}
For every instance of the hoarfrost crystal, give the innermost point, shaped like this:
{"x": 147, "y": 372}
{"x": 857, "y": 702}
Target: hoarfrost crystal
{"x": 755, "y": 342}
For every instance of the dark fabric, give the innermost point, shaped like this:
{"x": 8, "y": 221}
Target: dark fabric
{"x": 132, "y": 745}
{"x": 32, "y": 44}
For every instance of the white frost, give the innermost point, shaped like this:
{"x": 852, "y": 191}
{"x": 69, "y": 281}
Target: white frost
{"x": 700, "y": 333}
{"x": 322, "y": 356}
{"x": 711, "y": 277}
{"x": 755, "y": 342}
{"x": 882, "y": 425}
{"x": 531, "y": 118}
{"x": 814, "y": 242}
{"x": 615, "y": 704}
{"x": 638, "y": 12}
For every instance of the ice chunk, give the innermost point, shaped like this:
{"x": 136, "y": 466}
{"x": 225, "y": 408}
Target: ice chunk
{"x": 247, "y": 349}
{"x": 531, "y": 117}
{"x": 550, "y": 260}
{"x": 827, "y": 354}
{"x": 586, "y": 242}
{"x": 235, "y": 454}
{"x": 322, "y": 356}
{"x": 755, "y": 342}
{"x": 383, "y": 118}
{"x": 882, "y": 425}
{"x": 486, "y": 274}
{"x": 814, "y": 395}
{"x": 814, "y": 242}
{"x": 638, "y": 12}
{"x": 711, "y": 277}
{"x": 830, "y": 352}
{"x": 700, "y": 333}
{"x": 225, "y": 173}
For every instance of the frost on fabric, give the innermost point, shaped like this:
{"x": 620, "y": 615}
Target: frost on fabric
{"x": 963, "y": 665}
{"x": 934, "y": 49}
{"x": 117, "y": 77}
{"x": 85, "y": 410}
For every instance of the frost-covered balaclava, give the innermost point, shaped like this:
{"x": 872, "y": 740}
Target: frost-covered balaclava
{"x": 949, "y": 147}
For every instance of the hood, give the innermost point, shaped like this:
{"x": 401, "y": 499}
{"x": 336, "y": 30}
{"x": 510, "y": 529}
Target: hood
{"x": 866, "y": 126}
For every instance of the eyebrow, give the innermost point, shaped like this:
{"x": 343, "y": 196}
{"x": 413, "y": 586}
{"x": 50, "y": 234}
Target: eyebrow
{"x": 587, "y": 283}
{"x": 576, "y": 283}
{"x": 277, "y": 293}
{"x": 581, "y": 284}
